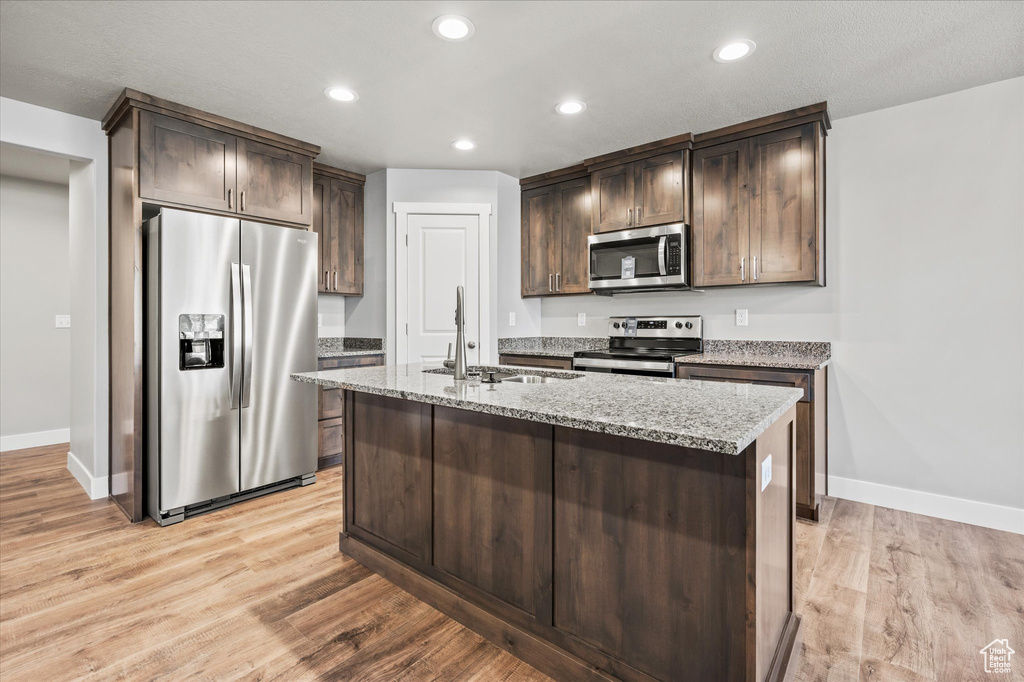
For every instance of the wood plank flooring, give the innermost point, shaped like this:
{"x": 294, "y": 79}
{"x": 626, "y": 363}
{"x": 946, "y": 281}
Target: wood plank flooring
{"x": 260, "y": 592}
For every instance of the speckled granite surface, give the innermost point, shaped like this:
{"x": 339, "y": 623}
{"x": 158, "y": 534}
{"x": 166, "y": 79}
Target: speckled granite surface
{"x": 550, "y": 346}
{"x": 718, "y": 417}
{"x": 342, "y": 346}
{"x": 780, "y": 354}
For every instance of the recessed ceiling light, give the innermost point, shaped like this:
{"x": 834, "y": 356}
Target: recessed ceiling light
{"x": 736, "y": 50}
{"x": 571, "y": 106}
{"x": 463, "y": 145}
{"x": 341, "y": 94}
{"x": 453, "y": 28}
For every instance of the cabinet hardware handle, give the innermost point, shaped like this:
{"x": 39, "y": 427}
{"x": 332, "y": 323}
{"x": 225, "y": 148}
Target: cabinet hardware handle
{"x": 755, "y": 268}
{"x": 241, "y": 200}
{"x": 629, "y": 216}
{"x": 335, "y": 280}
{"x": 327, "y": 281}
{"x": 558, "y": 281}
{"x": 743, "y": 275}
{"x": 639, "y": 212}
{"x": 229, "y": 198}
{"x": 551, "y": 279}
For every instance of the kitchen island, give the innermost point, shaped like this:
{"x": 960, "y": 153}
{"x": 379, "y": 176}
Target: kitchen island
{"x": 596, "y": 526}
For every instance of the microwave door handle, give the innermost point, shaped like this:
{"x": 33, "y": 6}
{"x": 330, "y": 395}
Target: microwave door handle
{"x": 662, "y": 264}
{"x": 236, "y": 336}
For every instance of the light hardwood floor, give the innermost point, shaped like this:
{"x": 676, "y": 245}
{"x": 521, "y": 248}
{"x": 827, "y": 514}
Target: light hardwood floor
{"x": 260, "y": 592}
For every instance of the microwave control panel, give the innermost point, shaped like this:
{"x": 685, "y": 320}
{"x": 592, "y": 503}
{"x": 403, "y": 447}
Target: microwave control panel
{"x": 674, "y": 256}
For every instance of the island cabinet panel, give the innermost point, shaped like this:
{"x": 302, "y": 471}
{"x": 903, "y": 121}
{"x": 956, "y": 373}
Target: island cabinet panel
{"x": 642, "y": 571}
{"x": 492, "y": 506}
{"x": 389, "y": 486}
{"x": 185, "y": 163}
{"x": 274, "y": 183}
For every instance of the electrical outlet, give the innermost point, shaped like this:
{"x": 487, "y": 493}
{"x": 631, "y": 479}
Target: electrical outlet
{"x": 319, "y": 320}
{"x": 741, "y": 317}
{"x": 581, "y": 319}
{"x": 511, "y": 319}
{"x": 62, "y": 321}
{"x": 766, "y": 472}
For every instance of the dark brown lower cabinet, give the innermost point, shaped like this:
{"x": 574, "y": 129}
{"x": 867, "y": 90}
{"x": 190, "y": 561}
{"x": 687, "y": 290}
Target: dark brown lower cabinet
{"x": 331, "y": 410}
{"x": 811, "y": 422}
{"x": 544, "y": 361}
{"x": 590, "y": 556}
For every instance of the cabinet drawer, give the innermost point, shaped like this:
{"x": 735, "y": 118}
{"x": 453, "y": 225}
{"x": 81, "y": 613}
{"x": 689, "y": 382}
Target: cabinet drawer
{"x": 737, "y": 375}
{"x": 535, "y": 361}
{"x": 332, "y": 404}
{"x": 350, "y": 361}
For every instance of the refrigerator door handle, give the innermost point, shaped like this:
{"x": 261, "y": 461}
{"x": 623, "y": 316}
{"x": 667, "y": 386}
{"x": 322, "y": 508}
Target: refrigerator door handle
{"x": 247, "y": 335}
{"x": 236, "y": 336}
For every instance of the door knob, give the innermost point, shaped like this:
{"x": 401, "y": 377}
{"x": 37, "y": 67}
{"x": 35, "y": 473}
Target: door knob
{"x": 471, "y": 344}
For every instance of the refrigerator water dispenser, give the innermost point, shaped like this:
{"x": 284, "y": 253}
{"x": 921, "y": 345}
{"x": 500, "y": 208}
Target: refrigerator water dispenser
{"x": 200, "y": 341}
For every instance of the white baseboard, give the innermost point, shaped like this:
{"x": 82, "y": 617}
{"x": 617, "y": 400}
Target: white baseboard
{"x": 929, "y": 504}
{"x": 95, "y": 487}
{"x": 20, "y": 441}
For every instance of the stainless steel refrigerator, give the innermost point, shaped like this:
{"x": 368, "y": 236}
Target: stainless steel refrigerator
{"x": 230, "y": 314}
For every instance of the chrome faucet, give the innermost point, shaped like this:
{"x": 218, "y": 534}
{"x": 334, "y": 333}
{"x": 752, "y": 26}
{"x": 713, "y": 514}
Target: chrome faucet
{"x": 458, "y": 365}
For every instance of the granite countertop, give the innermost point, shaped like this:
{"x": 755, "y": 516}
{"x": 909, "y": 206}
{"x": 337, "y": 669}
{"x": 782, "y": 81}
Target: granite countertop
{"x": 345, "y": 346}
{"x": 542, "y": 352}
{"x": 807, "y": 355}
{"x": 718, "y": 417}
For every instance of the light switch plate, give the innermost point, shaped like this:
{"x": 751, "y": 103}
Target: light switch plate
{"x": 741, "y": 317}
{"x": 581, "y": 319}
{"x": 766, "y": 472}
{"x": 62, "y": 321}
{"x": 511, "y": 319}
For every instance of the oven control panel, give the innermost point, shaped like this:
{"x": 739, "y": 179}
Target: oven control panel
{"x": 682, "y": 327}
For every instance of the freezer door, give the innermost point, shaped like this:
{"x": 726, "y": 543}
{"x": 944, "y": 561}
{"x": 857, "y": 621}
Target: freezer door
{"x": 198, "y": 444}
{"x": 279, "y": 434}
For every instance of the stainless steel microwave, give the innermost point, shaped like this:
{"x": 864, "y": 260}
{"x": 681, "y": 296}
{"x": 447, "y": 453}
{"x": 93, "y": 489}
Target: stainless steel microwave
{"x": 650, "y": 258}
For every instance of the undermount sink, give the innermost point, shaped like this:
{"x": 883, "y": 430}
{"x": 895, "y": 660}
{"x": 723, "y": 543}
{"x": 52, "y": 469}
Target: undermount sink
{"x": 532, "y": 379}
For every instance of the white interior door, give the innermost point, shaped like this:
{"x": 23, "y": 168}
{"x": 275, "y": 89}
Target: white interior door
{"x": 443, "y": 252}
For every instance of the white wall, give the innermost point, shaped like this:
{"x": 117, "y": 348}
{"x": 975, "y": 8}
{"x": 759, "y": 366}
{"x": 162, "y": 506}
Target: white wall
{"x": 83, "y": 141}
{"x": 35, "y": 357}
{"x": 507, "y": 269}
{"x": 924, "y": 306}
{"x": 331, "y": 315}
{"x": 365, "y": 315}
{"x": 374, "y": 313}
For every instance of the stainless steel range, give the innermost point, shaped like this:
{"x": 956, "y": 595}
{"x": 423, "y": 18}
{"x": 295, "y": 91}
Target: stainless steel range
{"x": 647, "y": 346}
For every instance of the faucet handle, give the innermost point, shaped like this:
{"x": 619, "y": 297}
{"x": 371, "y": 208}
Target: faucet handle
{"x": 449, "y": 351}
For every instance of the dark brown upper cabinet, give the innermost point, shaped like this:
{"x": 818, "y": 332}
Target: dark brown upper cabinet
{"x": 646, "y": 192}
{"x": 184, "y": 163}
{"x": 338, "y": 220}
{"x": 758, "y": 209}
{"x": 193, "y": 165}
{"x": 556, "y": 220}
{"x": 273, "y": 183}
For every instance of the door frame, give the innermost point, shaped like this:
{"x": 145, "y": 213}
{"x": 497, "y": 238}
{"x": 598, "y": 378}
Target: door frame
{"x": 403, "y": 209}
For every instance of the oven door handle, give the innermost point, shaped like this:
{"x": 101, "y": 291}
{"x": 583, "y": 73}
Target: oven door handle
{"x": 604, "y": 363}
{"x": 662, "y": 263}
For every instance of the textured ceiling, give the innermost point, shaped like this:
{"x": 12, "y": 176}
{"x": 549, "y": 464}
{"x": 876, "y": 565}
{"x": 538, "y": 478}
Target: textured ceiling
{"x": 32, "y": 165}
{"x": 644, "y": 68}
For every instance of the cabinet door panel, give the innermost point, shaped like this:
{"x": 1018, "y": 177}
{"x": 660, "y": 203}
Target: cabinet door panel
{"x": 613, "y": 198}
{"x": 276, "y": 183}
{"x": 321, "y": 221}
{"x": 659, "y": 189}
{"x": 185, "y": 163}
{"x": 574, "y": 226}
{"x": 389, "y": 467}
{"x": 540, "y": 247}
{"x": 721, "y": 215}
{"x": 492, "y": 505}
{"x": 347, "y": 238}
{"x": 782, "y": 209}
